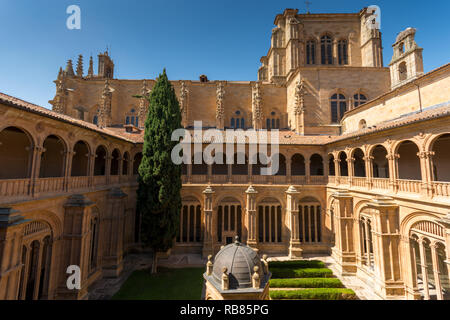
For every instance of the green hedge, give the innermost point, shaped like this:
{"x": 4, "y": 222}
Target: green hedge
{"x": 314, "y": 294}
{"x": 283, "y": 273}
{"x": 306, "y": 283}
{"x": 297, "y": 264}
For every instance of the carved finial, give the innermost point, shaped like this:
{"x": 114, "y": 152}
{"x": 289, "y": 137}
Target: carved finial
{"x": 225, "y": 279}
{"x": 69, "y": 69}
{"x": 91, "y": 68}
{"x": 220, "y": 108}
{"x": 256, "y": 279}
{"x": 236, "y": 240}
{"x": 209, "y": 266}
{"x": 80, "y": 66}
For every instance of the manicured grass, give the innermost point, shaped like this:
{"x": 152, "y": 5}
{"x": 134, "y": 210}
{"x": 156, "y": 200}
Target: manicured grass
{"x": 167, "y": 284}
{"x": 314, "y": 294}
{"x": 306, "y": 283}
{"x": 297, "y": 264}
{"x": 283, "y": 273}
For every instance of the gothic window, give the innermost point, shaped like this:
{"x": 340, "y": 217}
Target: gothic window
{"x": 359, "y": 99}
{"x": 238, "y": 121}
{"x": 402, "y": 72}
{"x": 343, "y": 52}
{"x": 273, "y": 122}
{"x": 95, "y": 120}
{"x": 326, "y": 46}
{"x": 132, "y": 118}
{"x": 338, "y": 107}
{"x": 311, "y": 52}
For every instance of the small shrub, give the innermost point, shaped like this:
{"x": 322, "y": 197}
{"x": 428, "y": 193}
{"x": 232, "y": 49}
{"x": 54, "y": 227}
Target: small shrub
{"x": 306, "y": 283}
{"x": 283, "y": 273}
{"x": 297, "y": 264}
{"x": 314, "y": 294}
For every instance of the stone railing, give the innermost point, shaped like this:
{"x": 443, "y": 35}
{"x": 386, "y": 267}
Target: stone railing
{"x": 15, "y": 189}
{"x": 441, "y": 188}
{"x": 49, "y": 185}
{"x": 199, "y": 178}
{"x": 359, "y": 182}
{"x": 318, "y": 180}
{"x": 409, "y": 185}
{"x": 380, "y": 183}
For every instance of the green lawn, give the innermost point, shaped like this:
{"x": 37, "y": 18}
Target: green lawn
{"x": 167, "y": 284}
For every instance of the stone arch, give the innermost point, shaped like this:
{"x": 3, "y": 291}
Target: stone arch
{"x": 137, "y": 162}
{"x": 101, "y": 154}
{"x": 380, "y": 164}
{"x": 191, "y": 217}
{"x": 359, "y": 165}
{"x": 440, "y": 146}
{"x": 230, "y": 213}
{"x": 408, "y": 163}
{"x": 331, "y": 165}
{"x": 316, "y": 167}
{"x": 269, "y": 219}
{"x": 298, "y": 165}
{"x": 343, "y": 165}
{"x": 80, "y": 159}
{"x": 16, "y": 151}
{"x": 53, "y": 157}
{"x": 126, "y": 163}
{"x": 115, "y": 162}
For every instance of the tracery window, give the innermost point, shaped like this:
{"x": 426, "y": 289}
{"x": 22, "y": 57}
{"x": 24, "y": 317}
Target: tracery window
{"x": 237, "y": 121}
{"x": 273, "y": 122}
{"x": 359, "y": 99}
{"x": 338, "y": 107}
{"x": 326, "y": 46}
{"x": 343, "y": 52}
{"x": 132, "y": 118}
{"x": 311, "y": 52}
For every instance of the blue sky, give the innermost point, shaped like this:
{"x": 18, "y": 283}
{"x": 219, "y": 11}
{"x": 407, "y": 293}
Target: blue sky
{"x": 222, "y": 39}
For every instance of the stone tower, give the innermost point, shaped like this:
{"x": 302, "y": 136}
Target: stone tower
{"x": 238, "y": 273}
{"x": 407, "y": 62}
{"x": 105, "y": 66}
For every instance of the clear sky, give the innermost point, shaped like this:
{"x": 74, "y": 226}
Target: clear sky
{"x": 222, "y": 39}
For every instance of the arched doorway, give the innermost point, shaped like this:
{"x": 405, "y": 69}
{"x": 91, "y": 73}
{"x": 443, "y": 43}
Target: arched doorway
{"x": 380, "y": 164}
{"x": 359, "y": 165}
{"x": 115, "y": 160}
{"x": 316, "y": 165}
{"x": 298, "y": 165}
{"x": 136, "y": 163}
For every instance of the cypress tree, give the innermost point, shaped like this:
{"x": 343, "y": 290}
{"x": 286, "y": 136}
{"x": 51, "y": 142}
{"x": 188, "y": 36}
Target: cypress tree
{"x": 159, "y": 192}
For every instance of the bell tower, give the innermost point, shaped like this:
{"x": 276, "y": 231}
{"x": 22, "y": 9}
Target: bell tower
{"x": 407, "y": 61}
{"x": 105, "y": 66}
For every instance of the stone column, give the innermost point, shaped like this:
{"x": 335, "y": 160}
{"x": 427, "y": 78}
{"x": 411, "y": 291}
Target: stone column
{"x": 75, "y": 245}
{"x": 393, "y": 171}
{"x": 424, "y": 266}
{"x": 68, "y": 169}
{"x": 386, "y": 244}
{"x": 108, "y": 159}
{"x": 35, "y": 169}
{"x": 289, "y": 170}
{"x": 252, "y": 240}
{"x": 436, "y": 271}
{"x": 308, "y": 169}
{"x": 295, "y": 250}
{"x": 426, "y": 167}
{"x": 112, "y": 233}
{"x": 91, "y": 160}
{"x": 351, "y": 170}
{"x": 337, "y": 170}
{"x": 11, "y": 265}
{"x": 208, "y": 239}
{"x": 344, "y": 250}
{"x": 446, "y": 222}
{"x": 368, "y": 161}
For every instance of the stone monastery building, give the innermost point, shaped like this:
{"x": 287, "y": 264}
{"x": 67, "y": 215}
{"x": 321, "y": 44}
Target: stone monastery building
{"x": 364, "y": 170}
